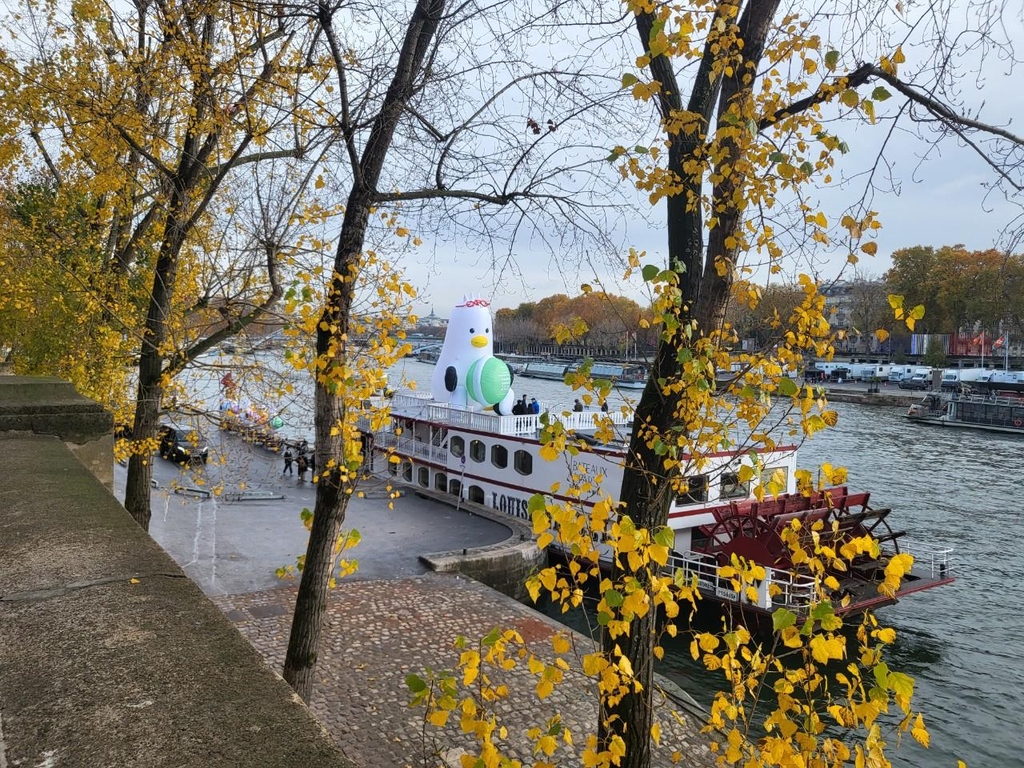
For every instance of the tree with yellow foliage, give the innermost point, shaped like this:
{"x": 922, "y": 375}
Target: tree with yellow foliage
{"x": 752, "y": 131}
{"x": 423, "y": 135}
{"x": 150, "y": 113}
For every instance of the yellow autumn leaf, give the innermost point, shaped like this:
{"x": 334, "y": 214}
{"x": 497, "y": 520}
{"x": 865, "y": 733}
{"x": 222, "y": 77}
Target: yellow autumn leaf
{"x": 438, "y": 717}
{"x": 561, "y": 643}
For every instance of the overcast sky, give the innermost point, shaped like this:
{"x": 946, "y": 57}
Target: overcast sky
{"x": 942, "y": 200}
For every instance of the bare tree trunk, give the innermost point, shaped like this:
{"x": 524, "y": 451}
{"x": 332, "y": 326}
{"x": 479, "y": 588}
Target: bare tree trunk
{"x": 646, "y": 484}
{"x": 150, "y": 391}
{"x": 311, "y": 602}
{"x": 331, "y": 346}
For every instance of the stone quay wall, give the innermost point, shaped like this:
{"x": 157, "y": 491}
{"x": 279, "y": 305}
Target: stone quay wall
{"x": 109, "y": 655}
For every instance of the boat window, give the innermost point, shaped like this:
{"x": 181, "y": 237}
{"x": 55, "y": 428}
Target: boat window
{"x": 477, "y": 450}
{"x": 499, "y": 456}
{"x": 457, "y": 446}
{"x": 476, "y": 494}
{"x": 696, "y": 492}
{"x": 523, "y": 462}
{"x": 441, "y": 481}
{"x": 392, "y": 466}
{"x": 423, "y": 477}
{"x": 407, "y": 470}
{"x": 732, "y": 488}
{"x": 455, "y": 488}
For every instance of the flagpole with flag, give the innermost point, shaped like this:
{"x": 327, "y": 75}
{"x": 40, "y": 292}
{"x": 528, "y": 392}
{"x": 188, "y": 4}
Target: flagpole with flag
{"x": 1003, "y": 341}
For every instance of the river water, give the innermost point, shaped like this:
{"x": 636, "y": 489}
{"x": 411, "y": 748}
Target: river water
{"x": 963, "y": 642}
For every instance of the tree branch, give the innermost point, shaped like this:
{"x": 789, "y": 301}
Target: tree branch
{"x": 325, "y": 17}
{"x": 257, "y": 157}
{"x": 176, "y": 363}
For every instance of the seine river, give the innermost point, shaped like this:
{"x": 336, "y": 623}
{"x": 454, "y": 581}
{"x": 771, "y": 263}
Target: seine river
{"x": 963, "y": 643}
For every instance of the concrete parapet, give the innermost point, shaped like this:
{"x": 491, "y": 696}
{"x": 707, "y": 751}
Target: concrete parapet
{"x": 503, "y": 566}
{"x": 109, "y": 655}
{"x": 45, "y": 405}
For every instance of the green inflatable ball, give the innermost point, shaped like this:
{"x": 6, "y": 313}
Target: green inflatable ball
{"x": 277, "y": 423}
{"x": 489, "y": 380}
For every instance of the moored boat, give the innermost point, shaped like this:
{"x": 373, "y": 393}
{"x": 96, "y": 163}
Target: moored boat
{"x": 464, "y": 444}
{"x": 621, "y": 375}
{"x": 495, "y": 460}
{"x": 971, "y": 411}
{"x": 538, "y": 369}
{"x": 429, "y": 354}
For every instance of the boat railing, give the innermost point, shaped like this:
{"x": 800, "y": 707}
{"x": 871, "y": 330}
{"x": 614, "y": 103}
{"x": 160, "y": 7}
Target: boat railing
{"x": 779, "y": 588}
{"x": 936, "y": 562}
{"x": 423, "y": 407}
{"x": 410, "y": 447}
{"x": 986, "y": 399}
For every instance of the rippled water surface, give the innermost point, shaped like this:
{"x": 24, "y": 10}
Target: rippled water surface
{"x": 963, "y": 642}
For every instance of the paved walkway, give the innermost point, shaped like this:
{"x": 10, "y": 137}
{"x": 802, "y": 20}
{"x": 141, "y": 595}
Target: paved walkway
{"x": 229, "y": 546}
{"x": 389, "y": 620}
{"x": 378, "y": 632}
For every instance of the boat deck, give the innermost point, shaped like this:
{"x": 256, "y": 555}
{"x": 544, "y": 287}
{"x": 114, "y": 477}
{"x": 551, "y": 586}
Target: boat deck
{"x": 523, "y": 425}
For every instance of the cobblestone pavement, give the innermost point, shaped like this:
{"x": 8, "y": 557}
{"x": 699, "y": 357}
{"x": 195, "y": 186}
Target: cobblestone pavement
{"x": 377, "y": 632}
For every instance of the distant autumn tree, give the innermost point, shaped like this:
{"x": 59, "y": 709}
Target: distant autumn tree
{"x": 869, "y": 309}
{"x": 761, "y": 313}
{"x": 960, "y": 288}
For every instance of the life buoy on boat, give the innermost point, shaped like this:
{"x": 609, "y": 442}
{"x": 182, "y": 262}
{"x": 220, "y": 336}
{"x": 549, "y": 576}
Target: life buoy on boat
{"x": 1017, "y": 422}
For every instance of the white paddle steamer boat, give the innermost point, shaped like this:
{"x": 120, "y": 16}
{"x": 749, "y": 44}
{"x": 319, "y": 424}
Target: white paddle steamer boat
{"x": 469, "y": 446}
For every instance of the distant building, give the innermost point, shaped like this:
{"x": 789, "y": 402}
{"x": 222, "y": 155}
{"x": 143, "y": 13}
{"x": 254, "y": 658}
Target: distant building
{"x": 838, "y": 303}
{"x": 433, "y": 321}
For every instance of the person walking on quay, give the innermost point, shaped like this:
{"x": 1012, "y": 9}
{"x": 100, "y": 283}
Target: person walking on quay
{"x": 303, "y": 466}
{"x": 577, "y": 406}
{"x": 288, "y": 462}
{"x": 534, "y": 405}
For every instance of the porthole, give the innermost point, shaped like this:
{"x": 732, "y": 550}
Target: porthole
{"x": 523, "y": 462}
{"x": 477, "y": 450}
{"x": 499, "y": 456}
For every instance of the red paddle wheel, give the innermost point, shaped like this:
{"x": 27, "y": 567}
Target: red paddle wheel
{"x": 754, "y": 531}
